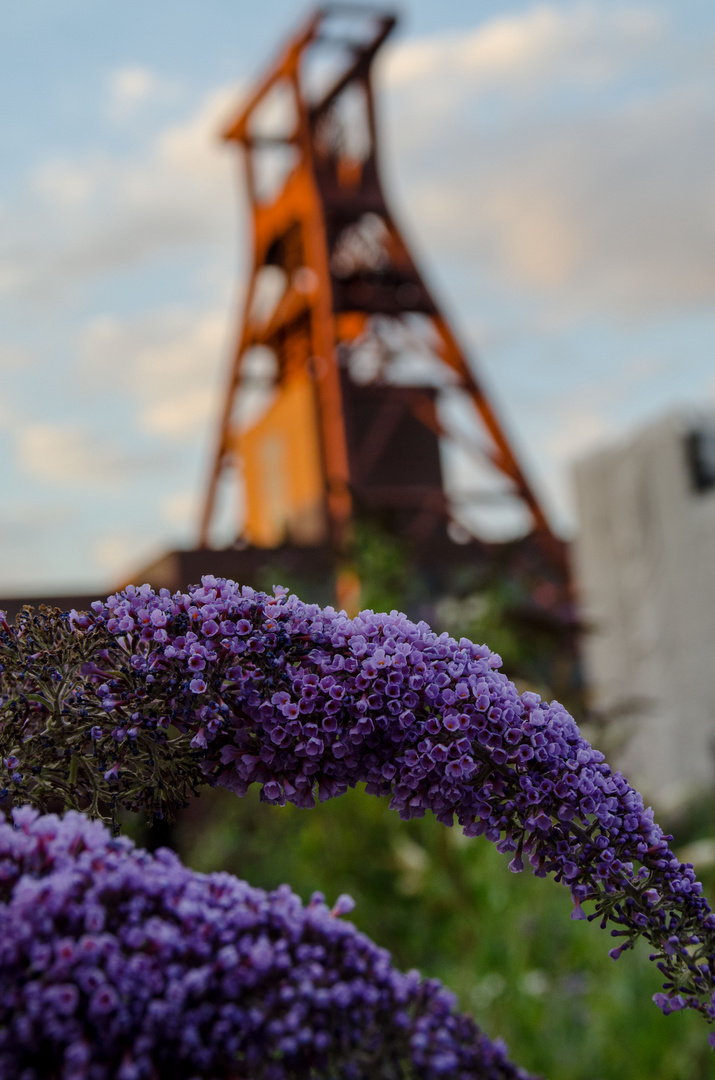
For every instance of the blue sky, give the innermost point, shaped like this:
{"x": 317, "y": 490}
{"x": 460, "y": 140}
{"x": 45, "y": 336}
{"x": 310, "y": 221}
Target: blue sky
{"x": 553, "y": 165}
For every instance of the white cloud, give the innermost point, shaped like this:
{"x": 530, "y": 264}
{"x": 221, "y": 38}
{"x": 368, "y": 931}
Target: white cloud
{"x": 73, "y": 455}
{"x": 586, "y": 415}
{"x": 128, "y": 85}
{"x": 181, "y": 507}
{"x": 13, "y": 275}
{"x": 119, "y": 553}
{"x": 182, "y": 415}
{"x": 65, "y": 184}
{"x": 135, "y": 89}
{"x": 26, "y": 562}
{"x": 13, "y": 358}
{"x": 582, "y": 43}
{"x": 605, "y": 207}
{"x": 132, "y": 83}
{"x": 118, "y": 212}
{"x": 581, "y": 429}
{"x": 615, "y": 215}
{"x": 169, "y": 363}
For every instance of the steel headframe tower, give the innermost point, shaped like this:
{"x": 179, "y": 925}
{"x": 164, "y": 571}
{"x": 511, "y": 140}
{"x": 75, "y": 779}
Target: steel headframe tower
{"x": 334, "y": 306}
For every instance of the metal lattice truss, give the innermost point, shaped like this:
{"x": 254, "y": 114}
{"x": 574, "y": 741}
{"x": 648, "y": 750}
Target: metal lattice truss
{"x": 347, "y": 378}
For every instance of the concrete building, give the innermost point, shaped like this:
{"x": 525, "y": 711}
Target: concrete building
{"x": 645, "y": 572}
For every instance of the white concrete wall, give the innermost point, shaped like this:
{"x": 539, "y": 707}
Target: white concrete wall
{"x": 645, "y": 571}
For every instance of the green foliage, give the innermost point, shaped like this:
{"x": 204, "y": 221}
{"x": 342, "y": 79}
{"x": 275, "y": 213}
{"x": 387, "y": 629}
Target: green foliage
{"x": 537, "y": 652}
{"x": 62, "y": 747}
{"x": 484, "y": 617}
{"x": 382, "y": 565}
{"x": 448, "y": 906}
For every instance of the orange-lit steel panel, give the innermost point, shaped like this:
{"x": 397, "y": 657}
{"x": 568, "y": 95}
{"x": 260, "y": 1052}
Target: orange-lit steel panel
{"x": 282, "y": 472}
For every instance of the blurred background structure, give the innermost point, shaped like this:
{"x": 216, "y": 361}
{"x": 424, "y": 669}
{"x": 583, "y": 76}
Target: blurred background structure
{"x": 340, "y": 321}
{"x": 645, "y": 559}
{"x": 549, "y": 166}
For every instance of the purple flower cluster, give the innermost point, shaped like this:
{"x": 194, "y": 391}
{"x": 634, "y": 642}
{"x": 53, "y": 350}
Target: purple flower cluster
{"x": 307, "y": 702}
{"x": 115, "y": 963}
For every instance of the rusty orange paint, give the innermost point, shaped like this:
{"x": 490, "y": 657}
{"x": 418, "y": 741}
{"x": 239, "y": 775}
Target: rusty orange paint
{"x": 281, "y": 470}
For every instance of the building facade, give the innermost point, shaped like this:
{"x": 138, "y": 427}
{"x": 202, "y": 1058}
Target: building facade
{"x": 645, "y": 571}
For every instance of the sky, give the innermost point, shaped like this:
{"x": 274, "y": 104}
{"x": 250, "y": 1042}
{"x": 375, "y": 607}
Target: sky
{"x": 552, "y": 166}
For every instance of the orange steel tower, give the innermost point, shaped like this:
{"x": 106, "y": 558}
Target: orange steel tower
{"x": 347, "y": 378}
